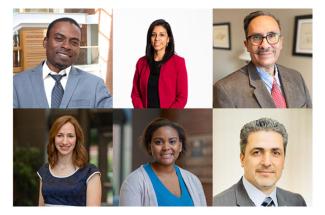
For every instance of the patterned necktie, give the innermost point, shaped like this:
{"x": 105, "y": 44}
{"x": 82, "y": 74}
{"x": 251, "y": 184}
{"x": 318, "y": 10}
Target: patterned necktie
{"x": 268, "y": 202}
{"x": 277, "y": 96}
{"x": 57, "y": 91}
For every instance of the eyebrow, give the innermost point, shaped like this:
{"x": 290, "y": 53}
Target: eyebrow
{"x": 264, "y": 149}
{"x": 62, "y": 35}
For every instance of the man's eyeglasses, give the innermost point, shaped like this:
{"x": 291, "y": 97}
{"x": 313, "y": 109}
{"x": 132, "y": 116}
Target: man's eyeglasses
{"x": 257, "y": 39}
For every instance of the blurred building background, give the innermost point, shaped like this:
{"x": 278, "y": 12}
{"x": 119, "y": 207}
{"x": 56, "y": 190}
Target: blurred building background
{"x": 29, "y": 30}
{"x": 129, "y": 154}
{"x": 30, "y": 130}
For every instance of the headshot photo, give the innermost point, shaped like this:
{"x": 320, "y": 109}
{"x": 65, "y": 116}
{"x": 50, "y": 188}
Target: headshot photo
{"x": 261, "y": 68}
{"x": 167, "y": 62}
{"x": 163, "y": 157}
{"x": 268, "y": 155}
{"x": 62, "y": 158}
{"x": 62, "y": 58}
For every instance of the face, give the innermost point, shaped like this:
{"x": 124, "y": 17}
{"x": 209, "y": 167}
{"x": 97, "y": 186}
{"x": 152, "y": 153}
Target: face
{"x": 165, "y": 145}
{"x": 159, "y": 38}
{"x": 65, "y": 139}
{"x": 263, "y": 160}
{"x": 264, "y": 55}
{"x": 62, "y": 46}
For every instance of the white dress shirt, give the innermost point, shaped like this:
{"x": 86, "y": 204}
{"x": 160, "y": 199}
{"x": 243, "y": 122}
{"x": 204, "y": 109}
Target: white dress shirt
{"x": 258, "y": 196}
{"x": 49, "y": 82}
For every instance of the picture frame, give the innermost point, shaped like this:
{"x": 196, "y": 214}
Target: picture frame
{"x": 303, "y": 35}
{"x": 222, "y": 36}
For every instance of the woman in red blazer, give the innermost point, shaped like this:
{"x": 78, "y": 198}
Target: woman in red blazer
{"x": 160, "y": 79}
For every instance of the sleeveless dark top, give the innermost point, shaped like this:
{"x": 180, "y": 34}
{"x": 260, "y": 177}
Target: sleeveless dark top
{"x": 67, "y": 190}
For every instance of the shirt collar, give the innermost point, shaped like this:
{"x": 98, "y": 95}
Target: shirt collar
{"x": 256, "y": 195}
{"x": 47, "y": 71}
{"x": 267, "y": 78}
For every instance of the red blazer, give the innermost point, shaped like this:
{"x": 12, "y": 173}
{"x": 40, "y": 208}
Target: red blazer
{"x": 172, "y": 83}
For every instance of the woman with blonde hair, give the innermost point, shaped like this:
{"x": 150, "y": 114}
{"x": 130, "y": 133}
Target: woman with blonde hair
{"x": 68, "y": 178}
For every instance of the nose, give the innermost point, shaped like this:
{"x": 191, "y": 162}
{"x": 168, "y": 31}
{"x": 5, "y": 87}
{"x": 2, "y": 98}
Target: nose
{"x": 264, "y": 43}
{"x": 66, "y": 44}
{"x": 65, "y": 140}
{"x": 165, "y": 146}
{"x": 267, "y": 159}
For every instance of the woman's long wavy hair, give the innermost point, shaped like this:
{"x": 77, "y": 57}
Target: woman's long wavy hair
{"x": 80, "y": 155}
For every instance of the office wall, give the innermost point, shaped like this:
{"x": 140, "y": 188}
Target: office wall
{"x": 227, "y": 61}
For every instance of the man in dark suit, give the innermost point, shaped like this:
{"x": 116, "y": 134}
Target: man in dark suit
{"x": 262, "y": 83}
{"x": 263, "y": 145}
{"x": 56, "y": 83}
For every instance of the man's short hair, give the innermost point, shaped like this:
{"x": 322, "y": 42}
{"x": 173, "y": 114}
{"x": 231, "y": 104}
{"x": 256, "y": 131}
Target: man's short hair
{"x": 255, "y": 14}
{"x": 263, "y": 124}
{"x": 63, "y": 19}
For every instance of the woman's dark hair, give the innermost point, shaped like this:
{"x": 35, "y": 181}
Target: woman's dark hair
{"x": 170, "y": 49}
{"x": 161, "y": 122}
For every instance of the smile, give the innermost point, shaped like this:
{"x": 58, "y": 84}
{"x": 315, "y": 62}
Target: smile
{"x": 64, "y": 55}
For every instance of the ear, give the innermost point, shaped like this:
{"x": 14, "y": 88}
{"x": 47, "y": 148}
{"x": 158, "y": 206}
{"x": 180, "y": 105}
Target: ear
{"x": 242, "y": 156}
{"x": 281, "y": 42}
{"x": 246, "y": 44}
{"x": 45, "y": 42}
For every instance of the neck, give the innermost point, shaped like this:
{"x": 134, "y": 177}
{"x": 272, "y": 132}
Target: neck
{"x": 270, "y": 70}
{"x": 162, "y": 169}
{"x": 159, "y": 55}
{"x": 55, "y": 68}
{"x": 65, "y": 160}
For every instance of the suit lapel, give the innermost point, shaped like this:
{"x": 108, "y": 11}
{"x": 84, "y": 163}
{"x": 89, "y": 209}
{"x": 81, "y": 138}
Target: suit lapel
{"x": 242, "y": 197}
{"x": 37, "y": 82}
{"x": 70, "y": 87}
{"x": 261, "y": 94}
{"x": 280, "y": 198}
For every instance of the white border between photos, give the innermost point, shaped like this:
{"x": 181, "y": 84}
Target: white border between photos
{"x": 6, "y": 116}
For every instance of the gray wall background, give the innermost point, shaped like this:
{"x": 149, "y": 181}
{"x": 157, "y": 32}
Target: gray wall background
{"x": 227, "y": 61}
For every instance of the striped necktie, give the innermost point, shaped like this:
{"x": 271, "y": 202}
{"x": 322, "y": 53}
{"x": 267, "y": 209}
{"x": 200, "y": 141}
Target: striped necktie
{"x": 268, "y": 202}
{"x": 277, "y": 96}
{"x": 57, "y": 91}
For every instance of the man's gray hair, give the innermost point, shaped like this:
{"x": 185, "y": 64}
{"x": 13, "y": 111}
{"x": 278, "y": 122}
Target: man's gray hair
{"x": 255, "y": 14}
{"x": 263, "y": 124}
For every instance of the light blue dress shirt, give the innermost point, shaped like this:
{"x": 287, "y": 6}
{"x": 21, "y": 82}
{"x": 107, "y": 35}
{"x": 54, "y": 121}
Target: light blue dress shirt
{"x": 268, "y": 79}
{"x": 258, "y": 196}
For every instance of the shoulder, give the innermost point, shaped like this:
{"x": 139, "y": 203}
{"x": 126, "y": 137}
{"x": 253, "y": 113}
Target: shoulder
{"x": 189, "y": 176}
{"x": 234, "y": 77}
{"x": 142, "y": 60}
{"x": 288, "y": 72}
{"x": 90, "y": 169}
{"x": 226, "y": 197}
{"x": 290, "y": 197}
{"x": 26, "y": 73}
{"x": 176, "y": 59}
{"x": 84, "y": 74}
{"x": 136, "y": 179}
{"x": 43, "y": 171}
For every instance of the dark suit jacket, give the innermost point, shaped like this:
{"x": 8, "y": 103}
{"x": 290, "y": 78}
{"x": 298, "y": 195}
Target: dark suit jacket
{"x": 83, "y": 90}
{"x": 237, "y": 196}
{"x": 245, "y": 89}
